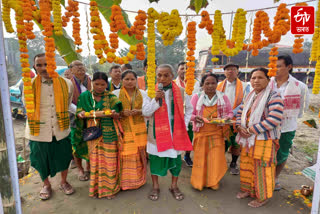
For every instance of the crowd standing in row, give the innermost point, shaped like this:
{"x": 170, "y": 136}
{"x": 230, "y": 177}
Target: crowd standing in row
{"x": 116, "y": 127}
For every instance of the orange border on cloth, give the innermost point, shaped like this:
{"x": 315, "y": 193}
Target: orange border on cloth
{"x": 180, "y": 141}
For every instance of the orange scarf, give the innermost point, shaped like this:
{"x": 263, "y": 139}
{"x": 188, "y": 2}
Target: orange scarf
{"x": 239, "y": 91}
{"x": 61, "y": 97}
{"x": 180, "y": 140}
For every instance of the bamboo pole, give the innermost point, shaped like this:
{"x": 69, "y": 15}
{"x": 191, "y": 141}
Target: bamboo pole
{"x": 9, "y": 180}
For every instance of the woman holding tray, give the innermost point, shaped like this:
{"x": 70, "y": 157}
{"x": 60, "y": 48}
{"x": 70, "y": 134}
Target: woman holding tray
{"x": 209, "y": 164}
{"x": 102, "y": 151}
{"x": 258, "y": 125}
{"x": 133, "y": 153}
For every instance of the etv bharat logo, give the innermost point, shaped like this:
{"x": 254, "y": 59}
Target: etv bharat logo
{"x": 302, "y": 20}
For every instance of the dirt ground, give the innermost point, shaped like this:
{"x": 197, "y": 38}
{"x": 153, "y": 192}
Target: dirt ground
{"x": 207, "y": 201}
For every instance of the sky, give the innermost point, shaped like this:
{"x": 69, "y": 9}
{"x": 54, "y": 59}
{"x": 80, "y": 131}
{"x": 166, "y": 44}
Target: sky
{"x": 203, "y": 38}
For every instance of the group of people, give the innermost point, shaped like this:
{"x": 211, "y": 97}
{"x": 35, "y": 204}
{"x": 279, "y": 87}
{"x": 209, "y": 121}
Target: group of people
{"x": 130, "y": 129}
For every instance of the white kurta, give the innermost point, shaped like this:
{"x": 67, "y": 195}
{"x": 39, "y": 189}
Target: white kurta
{"x": 152, "y": 148}
{"x": 290, "y": 124}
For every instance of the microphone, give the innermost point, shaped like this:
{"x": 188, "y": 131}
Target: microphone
{"x": 160, "y": 87}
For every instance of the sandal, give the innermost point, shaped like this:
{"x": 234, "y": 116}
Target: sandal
{"x": 66, "y": 188}
{"x": 176, "y": 193}
{"x": 277, "y": 186}
{"x": 84, "y": 176}
{"x": 110, "y": 197}
{"x": 242, "y": 195}
{"x": 255, "y": 203}
{"x": 45, "y": 193}
{"x": 154, "y": 194}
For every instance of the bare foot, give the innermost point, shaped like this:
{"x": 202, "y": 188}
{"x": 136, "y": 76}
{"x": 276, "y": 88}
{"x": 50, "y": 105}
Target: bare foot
{"x": 215, "y": 187}
{"x": 242, "y": 195}
{"x": 255, "y": 203}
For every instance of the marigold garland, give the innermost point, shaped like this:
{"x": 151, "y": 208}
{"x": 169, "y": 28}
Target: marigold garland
{"x": 151, "y": 58}
{"x": 315, "y": 53}
{"x": 70, "y": 9}
{"x": 169, "y": 26}
{"x": 24, "y": 57}
{"x": 6, "y": 16}
{"x": 101, "y": 44}
{"x": 28, "y": 7}
{"x": 218, "y": 32}
{"x": 273, "y": 62}
{"x": 234, "y": 46}
{"x": 48, "y": 33}
{"x": 281, "y": 26}
{"x": 206, "y": 22}
{"x": 57, "y": 22}
{"x": 191, "y": 43}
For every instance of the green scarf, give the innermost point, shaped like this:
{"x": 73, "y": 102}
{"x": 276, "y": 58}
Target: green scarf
{"x": 85, "y": 103}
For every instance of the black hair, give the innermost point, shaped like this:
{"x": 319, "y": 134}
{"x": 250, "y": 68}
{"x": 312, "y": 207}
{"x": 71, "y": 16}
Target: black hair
{"x": 38, "y": 56}
{"x": 181, "y": 63}
{"x": 114, "y": 67}
{"x": 145, "y": 63}
{"x": 264, "y": 70}
{"x": 124, "y": 74}
{"x": 206, "y": 76}
{"x": 287, "y": 61}
{"x": 101, "y": 76}
{"x": 128, "y": 66}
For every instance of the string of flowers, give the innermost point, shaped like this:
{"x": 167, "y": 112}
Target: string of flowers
{"x": 206, "y": 22}
{"x": 234, "y": 46}
{"x": 218, "y": 32}
{"x": 191, "y": 43}
{"x": 28, "y": 7}
{"x": 24, "y": 57}
{"x": 315, "y": 53}
{"x": 151, "y": 58}
{"x": 273, "y": 61}
{"x": 57, "y": 22}
{"x": 281, "y": 26}
{"x": 101, "y": 44}
{"x": 6, "y": 16}
{"x": 70, "y": 9}
{"x": 169, "y": 26}
{"x": 49, "y": 41}
{"x": 118, "y": 23}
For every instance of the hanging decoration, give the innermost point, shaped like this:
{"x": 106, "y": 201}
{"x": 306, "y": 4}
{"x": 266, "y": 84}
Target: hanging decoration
{"x": 49, "y": 41}
{"x": 101, "y": 44}
{"x": 206, "y": 22}
{"x": 169, "y": 26}
{"x": 118, "y": 23}
{"x": 191, "y": 43}
{"x": 315, "y": 53}
{"x": 6, "y": 16}
{"x": 153, "y": 15}
{"x": 273, "y": 61}
{"x": 281, "y": 26}
{"x": 218, "y": 32}
{"x": 24, "y": 57}
{"x": 28, "y": 7}
{"x": 71, "y": 10}
{"x": 57, "y": 21}
{"x": 228, "y": 47}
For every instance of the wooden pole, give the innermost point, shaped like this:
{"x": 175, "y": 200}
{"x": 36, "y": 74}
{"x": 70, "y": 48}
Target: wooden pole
{"x": 9, "y": 180}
